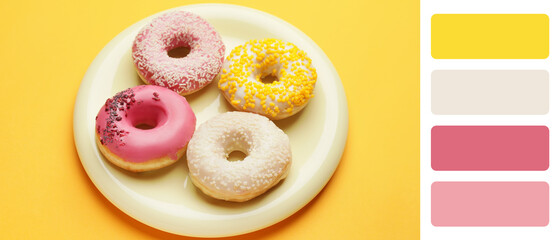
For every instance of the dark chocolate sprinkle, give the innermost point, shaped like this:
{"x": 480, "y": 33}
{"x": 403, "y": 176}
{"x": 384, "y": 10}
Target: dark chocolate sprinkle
{"x": 113, "y": 105}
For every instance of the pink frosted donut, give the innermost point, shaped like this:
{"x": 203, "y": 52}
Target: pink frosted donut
{"x": 170, "y": 31}
{"x": 144, "y": 128}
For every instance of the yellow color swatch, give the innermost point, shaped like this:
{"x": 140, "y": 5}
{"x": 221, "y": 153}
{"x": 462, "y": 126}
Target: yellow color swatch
{"x": 490, "y": 36}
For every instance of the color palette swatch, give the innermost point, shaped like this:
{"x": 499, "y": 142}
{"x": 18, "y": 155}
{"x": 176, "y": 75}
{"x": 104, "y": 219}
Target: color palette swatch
{"x": 489, "y": 148}
{"x": 489, "y": 92}
{"x": 490, "y": 203}
{"x": 487, "y": 114}
{"x": 489, "y": 36}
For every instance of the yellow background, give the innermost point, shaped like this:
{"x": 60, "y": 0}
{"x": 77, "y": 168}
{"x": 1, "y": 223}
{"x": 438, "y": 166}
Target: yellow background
{"x": 46, "y": 47}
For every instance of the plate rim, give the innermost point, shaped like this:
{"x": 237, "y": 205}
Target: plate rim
{"x": 79, "y": 115}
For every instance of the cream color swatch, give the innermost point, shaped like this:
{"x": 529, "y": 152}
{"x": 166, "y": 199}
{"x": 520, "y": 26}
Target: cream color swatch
{"x": 490, "y": 92}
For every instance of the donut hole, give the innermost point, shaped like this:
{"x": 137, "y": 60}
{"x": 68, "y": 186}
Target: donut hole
{"x": 147, "y": 116}
{"x": 236, "y": 156}
{"x": 268, "y": 79}
{"x": 179, "y": 52}
{"x": 144, "y": 126}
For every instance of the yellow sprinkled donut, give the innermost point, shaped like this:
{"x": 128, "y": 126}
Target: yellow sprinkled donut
{"x": 243, "y": 70}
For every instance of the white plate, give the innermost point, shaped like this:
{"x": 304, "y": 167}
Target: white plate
{"x": 166, "y": 199}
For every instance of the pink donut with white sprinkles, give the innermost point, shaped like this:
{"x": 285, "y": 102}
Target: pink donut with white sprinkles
{"x": 172, "y": 30}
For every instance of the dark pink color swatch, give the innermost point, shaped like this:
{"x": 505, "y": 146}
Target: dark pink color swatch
{"x": 497, "y": 148}
{"x": 489, "y": 203}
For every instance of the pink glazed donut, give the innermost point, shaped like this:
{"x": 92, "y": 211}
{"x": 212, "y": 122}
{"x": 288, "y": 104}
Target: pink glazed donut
{"x": 184, "y": 75}
{"x": 144, "y": 128}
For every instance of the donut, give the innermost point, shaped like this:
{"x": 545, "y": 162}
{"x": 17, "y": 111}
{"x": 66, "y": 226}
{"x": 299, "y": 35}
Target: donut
{"x": 184, "y": 75}
{"x": 241, "y": 80}
{"x": 267, "y": 161}
{"x": 144, "y": 128}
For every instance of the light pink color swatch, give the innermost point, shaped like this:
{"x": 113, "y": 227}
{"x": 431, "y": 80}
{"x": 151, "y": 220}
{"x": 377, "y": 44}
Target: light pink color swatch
{"x": 489, "y": 203}
{"x": 490, "y": 148}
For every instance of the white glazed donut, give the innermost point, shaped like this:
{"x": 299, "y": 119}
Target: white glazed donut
{"x": 241, "y": 78}
{"x": 267, "y": 161}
